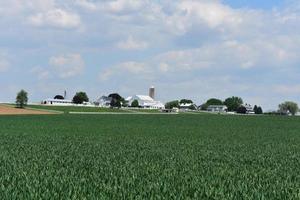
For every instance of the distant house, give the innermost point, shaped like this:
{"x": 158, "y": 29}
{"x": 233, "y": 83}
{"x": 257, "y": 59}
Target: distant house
{"x": 103, "y": 101}
{"x": 58, "y": 102}
{"x": 249, "y": 109}
{"x": 145, "y": 102}
{"x": 217, "y": 108}
{"x": 187, "y": 106}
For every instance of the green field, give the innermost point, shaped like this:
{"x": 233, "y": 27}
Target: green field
{"x": 68, "y": 109}
{"x": 149, "y": 157}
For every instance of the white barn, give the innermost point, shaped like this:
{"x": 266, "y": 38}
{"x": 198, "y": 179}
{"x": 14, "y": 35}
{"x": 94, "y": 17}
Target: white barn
{"x": 58, "y": 102}
{"x": 145, "y": 102}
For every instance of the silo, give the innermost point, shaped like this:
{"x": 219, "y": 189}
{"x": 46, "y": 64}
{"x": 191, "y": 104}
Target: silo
{"x": 152, "y": 92}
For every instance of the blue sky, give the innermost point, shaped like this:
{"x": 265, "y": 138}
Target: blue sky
{"x": 193, "y": 49}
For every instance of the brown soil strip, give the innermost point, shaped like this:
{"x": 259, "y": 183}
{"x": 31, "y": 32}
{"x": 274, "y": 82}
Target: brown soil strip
{"x": 7, "y": 110}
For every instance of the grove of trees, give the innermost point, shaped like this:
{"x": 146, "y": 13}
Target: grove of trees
{"x": 212, "y": 101}
{"x": 80, "y": 97}
{"x": 233, "y": 103}
{"x": 172, "y": 104}
{"x": 135, "y": 104}
{"x": 116, "y": 100}
{"x": 185, "y": 101}
{"x": 288, "y": 107}
{"x": 22, "y": 99}
{"x": 258, "y": 110}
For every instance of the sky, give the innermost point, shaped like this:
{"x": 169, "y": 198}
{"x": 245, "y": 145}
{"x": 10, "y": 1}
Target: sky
{"x": 195, "y": 49}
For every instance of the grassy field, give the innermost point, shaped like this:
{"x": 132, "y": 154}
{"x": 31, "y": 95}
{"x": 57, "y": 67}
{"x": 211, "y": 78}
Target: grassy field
{"x": 149, "y": 157}
{"x": 68, "y": 109}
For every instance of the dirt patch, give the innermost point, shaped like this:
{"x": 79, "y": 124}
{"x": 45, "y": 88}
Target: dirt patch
{"x": 7, "y": 110}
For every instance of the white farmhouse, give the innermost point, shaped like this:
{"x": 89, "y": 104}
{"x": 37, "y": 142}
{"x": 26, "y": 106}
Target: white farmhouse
{"x": 217, "y": 108}
{"x": 145, "y": 102}
{"x": 103, "y": 101}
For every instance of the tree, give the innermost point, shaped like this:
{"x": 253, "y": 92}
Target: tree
{"x": 258, "y": 110}
{"x": 172, "y": 104}
{"x": 135, "y": 103}
{"x": 185, "y": 101}
{"x": 22, "y": 99}
{"x": 204, "y": 106}
{"x": 209, "y": 102}
{"x": 80, "y": 97}
{"x": 59, "y": 97}
{"x": 214, "y": 101}
{"x": 255, "y": 109}
{"x": 233, "y": 103}
{"x": 288, "y": 107}
{"x": 242, "y": 110}
{"x": 116, "y": 100}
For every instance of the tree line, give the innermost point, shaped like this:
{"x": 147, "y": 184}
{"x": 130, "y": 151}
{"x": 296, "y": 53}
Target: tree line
{"x": 234, "y": 104}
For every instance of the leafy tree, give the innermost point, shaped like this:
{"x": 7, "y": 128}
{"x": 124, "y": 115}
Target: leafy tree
{"x": 204, "y": 106}
{"x": 259, "y": 111}
{"x": 22, "y": 99}
{"x": 116, "y": 100}
{"x": 214, "y": 101}
{"x": 172, "y": 104}
{"x": 59, "y": 97}
{"x": 192, "y": 107}
{"x": 80, "y": 97}
{"x": 135, "y": 103}
{"x": 255, "y": 109}
{"x": 233, "y": 103}
{"x": 185, "y": 101}
{"x": 116, "y": 96}
{"x": 288, "y": 107}
{"x": 242, "y": 110}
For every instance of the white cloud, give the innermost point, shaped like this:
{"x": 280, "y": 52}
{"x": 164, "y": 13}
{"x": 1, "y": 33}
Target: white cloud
{"x": 67, "y": 66}
{"x": 41, "y": 73}
{"x": 86, "y": 5}
{"x": 56, "y": 18}
{"x": 132, "y": 44}
{"x": 123, "y": 6}
{"x": 133, "y": 68}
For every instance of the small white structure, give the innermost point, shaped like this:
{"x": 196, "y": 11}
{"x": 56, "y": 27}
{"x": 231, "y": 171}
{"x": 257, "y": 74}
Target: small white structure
{"x": 186, "y": 106}
{"x": 58, "y": 102}
{"x": 103, "y": 101}
{"x": 145, "y": 102}
{"x": 249, "y": 109}
{"x": 217, "y": 108}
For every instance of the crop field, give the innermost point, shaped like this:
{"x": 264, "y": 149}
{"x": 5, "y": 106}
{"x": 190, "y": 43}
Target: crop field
{"x": 149, "y": 157}
{"x": 68, "y": 109}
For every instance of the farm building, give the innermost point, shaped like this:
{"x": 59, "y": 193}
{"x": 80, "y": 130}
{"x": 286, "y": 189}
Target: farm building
{"x": 217, "y": 108}
{"x": 187, "y": 106}
{"x": 57, "y": 102}
{"x": 145, "y": 102}
{"x": 249, "y": 109}
{"x": 103, "y": 101}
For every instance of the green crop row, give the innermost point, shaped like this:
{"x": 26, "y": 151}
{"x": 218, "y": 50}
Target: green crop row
{"x": 149, "y": 157}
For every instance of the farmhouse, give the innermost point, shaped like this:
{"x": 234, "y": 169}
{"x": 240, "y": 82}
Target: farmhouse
{"x": 145, "y": 102}
{"x": 103, "y": 101}
{"x": 217, "y": 108}
{"x": 249, "y": 109}
{"x": 187, "y": 106}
